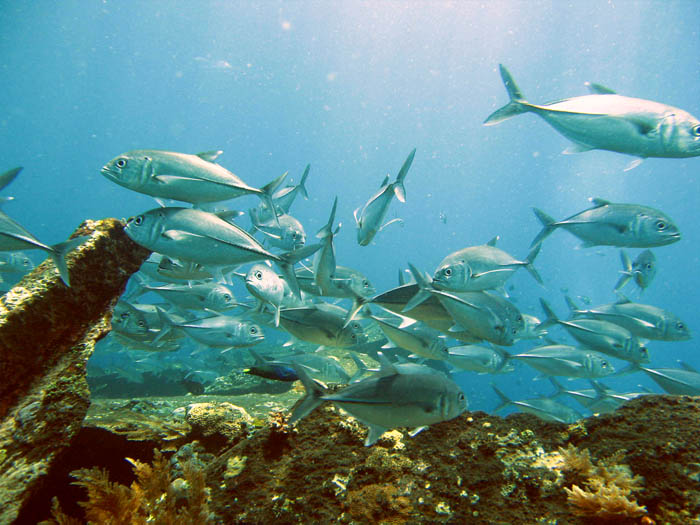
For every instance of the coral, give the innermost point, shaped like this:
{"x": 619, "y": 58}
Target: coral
{"x": 153, "y": 498}
{"x": 609, "y": 485}
{"x": 608, "y": 502}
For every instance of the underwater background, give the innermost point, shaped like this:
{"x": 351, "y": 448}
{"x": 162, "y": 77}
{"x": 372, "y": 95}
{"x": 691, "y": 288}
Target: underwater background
{"x": 351, "y": 88}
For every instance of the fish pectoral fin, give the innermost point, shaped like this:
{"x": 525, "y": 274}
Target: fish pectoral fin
{"x": 165, "y": 179}
{"x": 577, "y": 148}
{"x": 417, "y": 430}
{"x": 180, "y": 235}
{"x": 392, "y": 221}
{"x": 495, "y": 270}
{"x": 374, "y": 432}
{"x": 633, "y": 164}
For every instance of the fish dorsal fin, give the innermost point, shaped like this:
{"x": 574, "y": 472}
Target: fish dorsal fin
{"x": 210, "y": 156}
{"x": 385, "y": 182}
{"x": 598, "y": 202}
{"x": 599, "y": 89}
{"x": 493, "y": 241}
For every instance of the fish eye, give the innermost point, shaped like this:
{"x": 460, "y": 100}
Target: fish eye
{"x": 121, "y": 163}
{"x": 253, "y": 330}
{"x": 661, "y": 225}
{"x": 680, "y": 326}
{"x": 258, "y": 275}
{"x": 124, "y": 315}
{"x": 448, "y": 272}
{"x": 604, "y": 364}
{"x": 138, "y": 220}
{"x": 227, "y": 297}
{"x": 141, "y": 323}
{"x": 461, "y": 396}
{"x": 649, "y": 266}
{"x": 696, "y": 131}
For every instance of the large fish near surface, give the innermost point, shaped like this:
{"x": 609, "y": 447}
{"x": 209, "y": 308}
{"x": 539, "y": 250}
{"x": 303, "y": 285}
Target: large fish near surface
{"x": 608, "y": 121}
{"x": 614, "y": 224}
{"x": 182, "y": 177}
{"x": 369, "y": 219}
{"x": 202, "y": 237}
{"x": 390, "y": 399}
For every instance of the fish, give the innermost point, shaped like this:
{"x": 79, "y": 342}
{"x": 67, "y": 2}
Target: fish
{"x": 608, "y": 121}
{"x": 567, "y": 361}
{"x": 264, "y": 283}
{"x": 322, "y": 324}
{"x": 410, "y": 336}
{"x": 390, "y": 399}
{"x": 269, "y": 369}
{"x": 320, "y": 367}
{"x": 676, "y": 381}
{"x": 483, "y": 267}
{"x": 480, "y": 359}
{"x": 643, "y": 320}
{"x": 369, "y": 219}
{"x": 642, "y": 270}
{"x": 198, "y": 296}
{"x": 614, "y": 224}
{"x": 324, "y": 260}
{"x": 202, "y": 237}
{"x": 6, "y": 178}
{"x": 345, "y": 283}
{"x": 284, "y": 198}
{"x": 604, "y": 336}
{"x": 543, "y": 407}
{"x": 284, "y": 231}
{"x": 196, "y": 179}
{"x": 218, "y": 331}
{"x": 15, "y": 262}
{"x": 13, "y": 237}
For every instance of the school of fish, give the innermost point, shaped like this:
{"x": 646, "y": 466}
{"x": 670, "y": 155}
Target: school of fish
{"x": 456, "y": 318}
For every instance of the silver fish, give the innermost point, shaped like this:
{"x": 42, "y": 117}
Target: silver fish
{"x": 15, "y": 262}
{"x": 324, "y": 260}
{"x": 604, "y": 336}
{"x": 6, "y": 178}
{"x": 642, "y": 270}
{"x": 200, "y": 296}
{"x": 321, "y": 324}
{"x": 422, "y": 342}
{"x": 283, "y": 198}
{"x": 182, "y": 177}
{"x": 345, "y": 283}
{"x": 480, "y": 359}
{"x": 477, "y": 268}
{"x": 543, "y": 407}
{"x": 643, "y": 320}
{"x": 321, "y": 367}
{"x": 369, "y": 219}
{"x": 264, "y": 283}
{"x": 608, "y": 121}
{"x": 219, "y": 331}
{"x": 202, "y": 237}
{"x": 677, "y": 381}
{"x": 283, "y": 232}
{"x": 567, "y": 361}
{"x": 13, "y": 237}
{"x": 390, "y": 399}
{"x": 613, "y": 224}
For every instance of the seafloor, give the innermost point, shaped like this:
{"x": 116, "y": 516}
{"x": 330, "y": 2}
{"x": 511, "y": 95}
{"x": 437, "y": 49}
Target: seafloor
{"x": 475, "y": 469}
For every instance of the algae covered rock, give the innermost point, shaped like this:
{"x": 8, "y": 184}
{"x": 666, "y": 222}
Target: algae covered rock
{"x": 47, "y": 333}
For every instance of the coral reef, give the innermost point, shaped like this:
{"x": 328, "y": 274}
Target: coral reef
{"x": 47, "y": 333}
{"x": 155, "y": 497}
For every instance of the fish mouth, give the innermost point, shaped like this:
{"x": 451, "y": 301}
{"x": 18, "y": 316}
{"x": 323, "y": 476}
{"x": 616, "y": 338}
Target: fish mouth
{"x": 109, "y": 173}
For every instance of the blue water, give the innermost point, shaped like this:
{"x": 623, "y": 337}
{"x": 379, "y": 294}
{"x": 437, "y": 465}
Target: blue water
{"x": 351, "y": 87}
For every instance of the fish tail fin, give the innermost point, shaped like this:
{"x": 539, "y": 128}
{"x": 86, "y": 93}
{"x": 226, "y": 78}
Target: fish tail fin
{"x": 425, "y": 285}
{"x": 311, "y": 400}
{"x": 505, "y": 400}
{"x": 530, "y": 267}
{"x": 58, "y": 254}
{"x": 287, "y": 260}
{"x": 399, "y": 189}
{"x": 517, "y": 104}
{"x": 302, "y": 183}
{"x": 327, "y": 230}
{"x": 558, "y": 388}
{"x": 267, "y": 191}
{"x": 552, "y": 318}
{"x": 626, "y": 270}
{"x": 548, "y": 226}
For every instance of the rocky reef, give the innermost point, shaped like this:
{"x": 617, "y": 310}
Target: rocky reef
{"x": 47, "y": 333}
